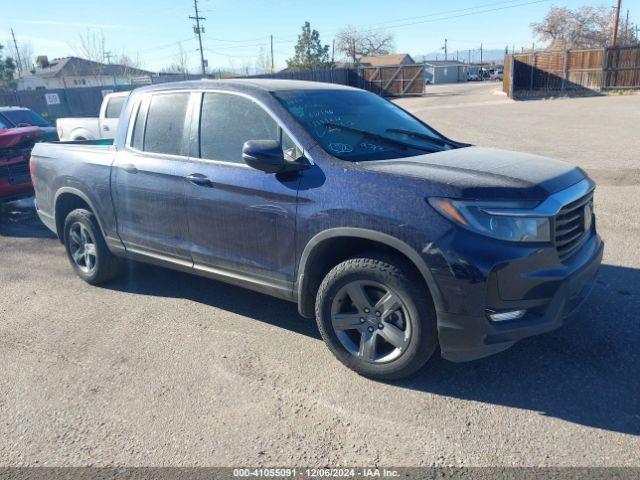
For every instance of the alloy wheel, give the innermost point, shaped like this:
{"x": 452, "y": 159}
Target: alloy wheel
{"x": 82, "y": 247}
{"x": 371, "y": 321}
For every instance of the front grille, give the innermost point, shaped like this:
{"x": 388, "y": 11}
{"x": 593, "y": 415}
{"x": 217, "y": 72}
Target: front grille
{"x": 570, "y": 232}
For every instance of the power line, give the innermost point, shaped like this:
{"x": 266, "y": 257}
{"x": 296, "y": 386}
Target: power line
{"x": 478, "y": 12}
{"x": 445, "y": 12}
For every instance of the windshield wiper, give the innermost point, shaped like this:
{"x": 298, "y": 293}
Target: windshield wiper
{"x": 378, "y": 137}
{"x": 423, "y": 136}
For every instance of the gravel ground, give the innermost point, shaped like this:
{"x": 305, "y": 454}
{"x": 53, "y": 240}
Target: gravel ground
{"x": 163, "y": 368}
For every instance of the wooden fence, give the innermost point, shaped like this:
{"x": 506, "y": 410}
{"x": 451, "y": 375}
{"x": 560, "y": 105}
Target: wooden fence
{"x": 622, "y": 68}
{"x": 571, "y": 71}
{"x": 393, "y": 81}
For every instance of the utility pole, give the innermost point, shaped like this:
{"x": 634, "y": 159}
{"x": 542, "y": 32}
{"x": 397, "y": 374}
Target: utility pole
{"x": 354, "y": 51}
{"x": 107, "y": 56}
{"x": 333, "y": 53}
{"x": 626, "y": 28}
{"x": 15, "y": 44}
{"x": 614, "y": 39}
{"x": 469, "y": 57}
{"x": 199, "y": 31}
{"x": 445, "y": 49}
{"x": 481, "y": 54}
{"x": 272, "y": 63}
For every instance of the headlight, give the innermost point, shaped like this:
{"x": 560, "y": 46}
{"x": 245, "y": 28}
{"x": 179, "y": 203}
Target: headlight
{"x": 510, "y": 221}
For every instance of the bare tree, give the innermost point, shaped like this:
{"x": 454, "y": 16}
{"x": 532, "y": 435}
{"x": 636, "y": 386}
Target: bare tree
{"x": 90, "y": 46}
{"x": 130, "y": 65}
{"x": 263, "y": 62}
{"x": 354, "y": 43}
{"x": 24, "y": 53}
{"x": 180, "y": 63}
{"x": 583, "y": 27}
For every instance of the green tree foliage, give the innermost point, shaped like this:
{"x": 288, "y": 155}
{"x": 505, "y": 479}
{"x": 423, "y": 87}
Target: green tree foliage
{"x": 309, "y": 54}
{"x": 7, "y": 70}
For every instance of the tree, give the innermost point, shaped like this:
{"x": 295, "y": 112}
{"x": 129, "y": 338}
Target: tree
{"x": 309, "y": 52}
{"x": 263, "y": 62}
{"x": 584, "y": 27}
{"x": 130, "y": 64}
{"x": 354, "y": 43}
{"x": 180, "y": 63}
{"x": 24, "y": 53}
{"x": 7, "y": 72}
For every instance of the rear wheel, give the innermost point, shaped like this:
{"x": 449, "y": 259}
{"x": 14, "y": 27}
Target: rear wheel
{"x": 86, "y": 248}
{"x": 376, "y": 318}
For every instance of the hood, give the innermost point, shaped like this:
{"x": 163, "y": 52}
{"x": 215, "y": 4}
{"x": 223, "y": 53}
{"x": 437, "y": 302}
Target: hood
{"x": 476, "y": 172}
{"x": 19, "y": 136}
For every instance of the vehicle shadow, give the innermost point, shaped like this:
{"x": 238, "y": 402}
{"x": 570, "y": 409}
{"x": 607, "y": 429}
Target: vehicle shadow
{"x": 19, "y": 219}
{"x": 587, "y": 372}
{"x": 161, "y": 282}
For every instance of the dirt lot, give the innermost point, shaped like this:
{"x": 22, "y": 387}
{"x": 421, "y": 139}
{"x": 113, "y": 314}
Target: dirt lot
{"x": 162, "y": 368}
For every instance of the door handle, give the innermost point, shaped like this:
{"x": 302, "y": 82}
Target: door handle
{"x": 105, "y": 128}
{"x": 129, "y": 168}
{"x": 199, "y": 180}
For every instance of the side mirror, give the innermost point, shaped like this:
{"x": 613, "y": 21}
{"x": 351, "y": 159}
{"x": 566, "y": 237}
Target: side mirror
{"x": 265, "y": 155}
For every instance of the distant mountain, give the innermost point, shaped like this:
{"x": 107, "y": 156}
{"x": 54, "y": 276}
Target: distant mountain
{"x": 491, "y": 55}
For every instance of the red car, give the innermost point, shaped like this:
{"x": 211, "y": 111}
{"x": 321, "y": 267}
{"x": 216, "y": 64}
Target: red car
{"x": 15, "y": 150}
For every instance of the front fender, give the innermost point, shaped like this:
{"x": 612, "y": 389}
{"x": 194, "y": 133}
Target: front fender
{"x": 302, "y": 283}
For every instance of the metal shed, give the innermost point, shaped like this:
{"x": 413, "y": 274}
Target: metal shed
{"x": 445, "y": 71}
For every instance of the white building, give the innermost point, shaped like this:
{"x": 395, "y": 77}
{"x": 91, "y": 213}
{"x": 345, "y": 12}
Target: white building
{"x": 74, "y": 72}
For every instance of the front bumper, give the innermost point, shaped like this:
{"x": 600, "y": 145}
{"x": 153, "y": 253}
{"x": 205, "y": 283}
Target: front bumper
{"x": 550, "y": 293}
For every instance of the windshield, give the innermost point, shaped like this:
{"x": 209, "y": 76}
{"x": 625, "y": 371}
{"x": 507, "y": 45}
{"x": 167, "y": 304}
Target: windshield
{"x": 26, "y": 117}
{"x": 357, "y": 126}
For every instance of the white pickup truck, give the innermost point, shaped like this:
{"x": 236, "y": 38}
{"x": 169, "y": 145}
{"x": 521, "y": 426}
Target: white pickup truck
{"x": 94, "y": 128}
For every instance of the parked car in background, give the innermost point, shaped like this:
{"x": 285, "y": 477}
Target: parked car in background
{"x": 395, "y": 238}
{"x": 497, "y": 75}
{"x": 15, "y": 150}
{"x": 472, "y": 77}
{"x": 19, "y": 117}
{"x": 94, "y": 128}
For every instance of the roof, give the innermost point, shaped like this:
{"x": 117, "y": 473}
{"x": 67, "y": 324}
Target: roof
{"x": 386, "y": 60}
{"x": 444, "y": 63}
{"x": 80, "y": 67}
{"x": 245, "y": 84}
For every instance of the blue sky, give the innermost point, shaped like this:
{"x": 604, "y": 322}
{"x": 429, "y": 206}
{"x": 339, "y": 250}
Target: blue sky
{"x": 236, "y": 30}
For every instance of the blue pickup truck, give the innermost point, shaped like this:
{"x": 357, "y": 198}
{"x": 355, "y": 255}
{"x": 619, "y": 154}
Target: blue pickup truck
{"x": 395, "y": 238}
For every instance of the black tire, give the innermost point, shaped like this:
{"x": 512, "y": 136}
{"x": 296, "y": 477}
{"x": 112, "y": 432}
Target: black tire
{"x": 106, "y": 265}
{"x": 417, "y": 311}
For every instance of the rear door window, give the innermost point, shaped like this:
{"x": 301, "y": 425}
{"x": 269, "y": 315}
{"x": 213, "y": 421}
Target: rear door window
{"x": 114, "y": 107}
{"x": 227, "y": 121}
{"x": 165, "y": 124}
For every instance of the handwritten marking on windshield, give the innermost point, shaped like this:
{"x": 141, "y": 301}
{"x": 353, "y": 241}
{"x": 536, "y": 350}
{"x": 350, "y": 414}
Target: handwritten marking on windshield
{"x": 340, "y": 148}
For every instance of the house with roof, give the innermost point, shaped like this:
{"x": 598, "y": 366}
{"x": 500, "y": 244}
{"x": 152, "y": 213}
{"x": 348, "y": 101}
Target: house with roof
{"x": 74, "y": 72}
{"x": 392, "y": 60}
{"x": 445, "y": 71}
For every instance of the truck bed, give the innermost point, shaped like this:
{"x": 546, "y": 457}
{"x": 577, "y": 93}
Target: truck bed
{"x": 73, "y": 166}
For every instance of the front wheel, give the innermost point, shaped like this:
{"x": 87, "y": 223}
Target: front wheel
{"x": 376, "y": 317}
{"x": 86, "y": 248}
